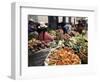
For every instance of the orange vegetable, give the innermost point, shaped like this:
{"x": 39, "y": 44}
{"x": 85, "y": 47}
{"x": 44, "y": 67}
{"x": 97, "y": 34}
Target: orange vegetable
{"x": 63, "y": 56}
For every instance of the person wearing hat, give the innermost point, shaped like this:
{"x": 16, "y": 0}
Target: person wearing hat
{"x": 44, "y": 35}
{"x": 31, "y": 26}
{"x": 32, "y": 29}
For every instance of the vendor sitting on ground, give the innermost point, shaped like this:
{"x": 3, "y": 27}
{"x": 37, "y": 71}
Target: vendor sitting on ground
{"x": 67, "y": 28}
{"x": 60, "y": 33}
{"x": 32, "y": 29}
{"x": 43, "y": 34}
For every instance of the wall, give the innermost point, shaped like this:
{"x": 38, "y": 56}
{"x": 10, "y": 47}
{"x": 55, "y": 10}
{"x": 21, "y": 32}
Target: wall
{"x": 5, "y": 36}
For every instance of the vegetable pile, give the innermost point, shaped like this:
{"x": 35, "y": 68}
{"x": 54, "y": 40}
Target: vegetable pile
{"x": 79, "y": 44}
{"x": 36, "y": 45}
{"x": 63, "y": 56}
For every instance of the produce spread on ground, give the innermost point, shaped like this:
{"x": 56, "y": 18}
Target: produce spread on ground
{"x": 69, "y": 49}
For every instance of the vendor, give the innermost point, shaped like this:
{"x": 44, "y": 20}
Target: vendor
{"x": 67, "y": 28}
{"x": 60, "y": 33}
{"x": 32, "y": 29}
{"x": 31, "y": 26}
{"x": 43, "y": 34}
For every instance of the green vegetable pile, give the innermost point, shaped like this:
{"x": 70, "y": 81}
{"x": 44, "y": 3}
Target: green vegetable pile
{"x": 79, "y": 44}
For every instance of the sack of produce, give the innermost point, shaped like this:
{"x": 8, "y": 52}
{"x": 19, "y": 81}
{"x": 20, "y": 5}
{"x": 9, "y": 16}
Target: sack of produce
{"x": 38, "y": 58}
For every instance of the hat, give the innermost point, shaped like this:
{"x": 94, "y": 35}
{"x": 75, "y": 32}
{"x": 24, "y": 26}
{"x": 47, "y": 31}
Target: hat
{"x": 31, "y": 20}
{"x": 42, "y": 24}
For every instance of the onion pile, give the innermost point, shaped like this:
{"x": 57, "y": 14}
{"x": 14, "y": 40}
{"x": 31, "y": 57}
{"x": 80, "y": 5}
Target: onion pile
{"x": 36, "y": 45}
